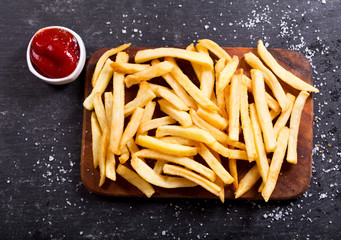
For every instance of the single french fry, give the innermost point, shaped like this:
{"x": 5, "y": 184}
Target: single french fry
{"x": 158, "y": 166}
{"x": 178, "y": 89}
{"x": 227, "y": 73}
{"x": 258, "y": 90}
{"x": 169, "y": 148}
{"x": 135, "y": 180}
{"x": 234, "y": 108}
{"x": 193, "y": 133}
{"x": 147, "y": 115}
{"x": 181, "y": 116}
{"x": 132, "y": 126}
{"x": 214, "y": 48}
{"x": 214, "y": 164}
{"x": 102, "y": 151}
{"x": 150, "y": 54}
{"x": 148, "y": 112}
{"x": 220, "y": 93}
{"x": 218, "y": 181}
{"x": 155, "y": 123}
{"x": 276, "y": 163}
{"x": 219, "y": 66}
{"x": 229, "y": 153}
{"x": 248, "y": 181}
{"x": 96, "y": 136}
{"x": 189, "y": 86}
{"x": 227, "y": 99}
{"x": 262, "y": 163}
{"x": 183, "y": 161}
{"x": 108, "y": 105}
{"x": 128, "y": 68}
{"x": 196, "y": 67}
{"x": 221, "y": 184}
{"x": 143, "y": 97}
{"x": 285, "y": 115}
{"x": 168, "y": 95}
{"x": 261, "y": 187}
{"x": 213, "y": 118}
{"x": 207, "y": 75}
{"x": 179, "y": 140}
{"x": 269, "y": 78}
{"x": 110, "y": 166}
{"x": 246, "y": 122}
{"x": 196, "y": 178}
{"x": 149, "y": 73}
{"x": 124, "y": 155}
{"x": 283, "y": 74}
{"x": 117, "y": 116}
{"x": 233, "y": 171}
{"x": 133, "y": 148}
{"x": 150, "y": 176}
{"x": 101, "y": 62}
{"x": 220, "y": 98}
{"x": 216, "y": 133}
{"x": 100, "y": 86}
{"x": 100, "y": 111}
{"x": 272, "y": 103}
{"x": 295, "y": 120}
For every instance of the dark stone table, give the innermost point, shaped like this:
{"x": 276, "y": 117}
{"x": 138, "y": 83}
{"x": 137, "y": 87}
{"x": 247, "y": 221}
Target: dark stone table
{"x": 41, "y": 192}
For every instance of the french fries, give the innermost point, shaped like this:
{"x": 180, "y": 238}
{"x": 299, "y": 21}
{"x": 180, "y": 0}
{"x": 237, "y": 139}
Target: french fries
{"x": 183, "y": 130}
{"x": 261, "y": 160}
{"x": 258, "y": 91}
{"x": 155, "y": 123}
{"x": 214, "y": 48}
{"x": 101, "y": 62}
{"x": 132, "y": 126}
{"x": 96, "y": 135}
{"x": 183, "y": 161}
{"x": 128, "y": 68}
{"x": 283, "y": 74}
{"x": 234, "y": 108}
{"x": 207, "y": 75}
{"x": 189, "y": 86}
{"x": 180, "y": 116}
{"x": 214, "y": 164}
{"x": 135, "y": 180}
{"x": 100, "y": 85}
{"x": 100, "y": 111}
{"x": 168, "y": 95}
{"x": 295, "y": 120}
{"x": 246, "y": 122}
{"x": 192, "y": 133}
{"x": 150, "y": 176}
{"x": 143, "y": 97}
{"x": 150, "y": 54}
{"x": 193, "y": 177}
{"x": 269, "y": 78}
{"x": 149, "y": 73}
{"x": 276, "y": 163}
{"x": 178, "y": 89}
{"x": 170, "y": 148}
{"x": 117, "y": 115}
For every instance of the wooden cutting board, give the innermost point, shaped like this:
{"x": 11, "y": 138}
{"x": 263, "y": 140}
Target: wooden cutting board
{"x": 293, "y": 180}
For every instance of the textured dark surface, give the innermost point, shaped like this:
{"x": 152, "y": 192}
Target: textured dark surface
{"x": 40, "y": 125}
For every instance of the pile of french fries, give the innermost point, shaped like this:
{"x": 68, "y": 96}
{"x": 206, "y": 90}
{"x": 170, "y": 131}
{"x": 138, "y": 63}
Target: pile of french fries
{"x": 217, "y": 118}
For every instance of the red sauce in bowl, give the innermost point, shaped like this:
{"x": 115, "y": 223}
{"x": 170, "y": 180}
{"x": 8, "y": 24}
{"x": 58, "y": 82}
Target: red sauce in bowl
{"x": 54, "y": 53}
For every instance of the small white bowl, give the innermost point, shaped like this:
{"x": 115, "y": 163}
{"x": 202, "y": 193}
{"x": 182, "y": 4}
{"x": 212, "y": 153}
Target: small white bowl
{"x": 74, "y": 74}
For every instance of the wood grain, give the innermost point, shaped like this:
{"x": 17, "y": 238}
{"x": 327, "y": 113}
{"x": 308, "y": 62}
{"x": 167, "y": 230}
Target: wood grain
{"x": 293, "y": 180}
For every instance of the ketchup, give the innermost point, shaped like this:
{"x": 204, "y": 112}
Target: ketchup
{"x": 54, "y": 52}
